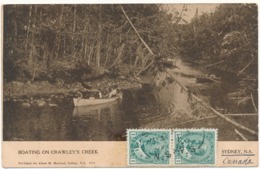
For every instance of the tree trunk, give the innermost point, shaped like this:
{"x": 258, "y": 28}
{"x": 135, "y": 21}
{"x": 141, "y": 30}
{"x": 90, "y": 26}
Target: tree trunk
{"x": 49, "y": 56}
{"x": 84, "y": 40}
{"x": 32, "y": 66}
{"x": 15, "y": 27}
{"x": 90, "y": 53}
{"x": 73, "y": 33}
{"x": 32, "y": 51}
{"x": 28, "y": 28}
{"x": 98, "y": 47}
{"x": 64, "y": 46}
{"x": 139, "y": 36}
{"x": 59, "y": 33}
{"x": 139, "y": 54}
{"x": 108, "y": 50}
{"x": 74, "y": 22}
{"x": 120, "y": 51}
{"x": 32, "y": 45}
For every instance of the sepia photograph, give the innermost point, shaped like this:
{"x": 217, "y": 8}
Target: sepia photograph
{"x": 89, "y": 72}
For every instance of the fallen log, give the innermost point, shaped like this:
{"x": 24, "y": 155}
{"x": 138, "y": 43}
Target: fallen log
{"x": 206, "y": 80}
{"x": 245, "y": 67}
{"x": 195, "y": 97}
{"x": 248, "y": 114}
{"x": 148, "y": 48}
{"x": 146, "y": 67}
{"x": 253, "y": 102}
{"x": 211, "y": 117}
{"x": 190, "y": 121}
{"x": 213, "y": 110}
{"x": 215, "y": 63}
{"x": 241, "y": 135}
{"x": 139, "y": 36}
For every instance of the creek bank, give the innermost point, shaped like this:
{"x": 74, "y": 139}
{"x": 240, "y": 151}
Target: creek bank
{"x": 64, "y": 83}
{"x": 44, "y": 93}
{"x": 215, "y": 87}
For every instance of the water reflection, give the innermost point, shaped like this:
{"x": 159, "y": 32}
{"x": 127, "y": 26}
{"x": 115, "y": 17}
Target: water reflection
{"x": 46, "y": 123}
{"x": 68, "y": 123}
{"x": 168, "y": 108}
{"x": 100, "y": 122}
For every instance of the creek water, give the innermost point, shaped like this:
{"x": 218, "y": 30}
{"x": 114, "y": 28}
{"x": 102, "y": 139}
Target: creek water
{"x": 167, "y": 107}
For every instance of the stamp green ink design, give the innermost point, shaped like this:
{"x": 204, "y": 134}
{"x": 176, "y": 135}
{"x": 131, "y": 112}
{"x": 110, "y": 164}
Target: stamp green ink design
{"x": 148, "y": 147}
{"x": 195, "y": 147}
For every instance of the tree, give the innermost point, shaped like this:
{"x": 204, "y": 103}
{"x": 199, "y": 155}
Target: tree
{"x": 226, "y": 40}
{"x": 46, "y": 38}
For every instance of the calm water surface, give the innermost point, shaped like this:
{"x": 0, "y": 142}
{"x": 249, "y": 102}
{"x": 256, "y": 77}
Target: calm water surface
{"x": 170, "y": 107}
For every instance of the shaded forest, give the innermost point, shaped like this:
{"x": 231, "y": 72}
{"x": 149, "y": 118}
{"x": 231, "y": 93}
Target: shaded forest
{"x": 48, "y": 42}
{"x": 43, "y": 38}
{"x": 226, "y": 42}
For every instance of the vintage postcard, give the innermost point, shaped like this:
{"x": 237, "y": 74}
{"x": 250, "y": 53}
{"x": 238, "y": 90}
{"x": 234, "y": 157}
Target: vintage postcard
{"x": 130, "y": 85}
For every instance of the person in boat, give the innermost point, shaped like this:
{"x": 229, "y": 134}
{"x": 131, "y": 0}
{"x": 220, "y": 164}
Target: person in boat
{"x": 85, "y": 93}
{"x": 113, "y": 93}
{"x": 100, "y": 94}
{"x": 78, "y": 94}
{"x": 120, "y": 93}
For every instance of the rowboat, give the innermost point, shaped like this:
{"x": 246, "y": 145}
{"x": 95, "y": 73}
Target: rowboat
{"x": 95, "y": 109}
{"x": 91, "y": 102}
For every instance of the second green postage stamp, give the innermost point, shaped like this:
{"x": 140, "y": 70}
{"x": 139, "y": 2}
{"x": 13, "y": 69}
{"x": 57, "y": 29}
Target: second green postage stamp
{"x": 194, "y": 147}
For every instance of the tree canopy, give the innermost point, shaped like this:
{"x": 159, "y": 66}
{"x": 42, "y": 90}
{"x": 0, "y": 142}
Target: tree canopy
{"x": 40, "y": 38}
{"x": 226, "y": 40}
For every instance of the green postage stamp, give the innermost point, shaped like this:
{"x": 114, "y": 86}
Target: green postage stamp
{"x": 165, "y": 147}
{"x": 194, "y": 147}
{"x": 149, "y": 147}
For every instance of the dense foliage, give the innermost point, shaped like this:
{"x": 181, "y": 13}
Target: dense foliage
{"x": 227, "y": 40}
{"x": 41, "y": 38}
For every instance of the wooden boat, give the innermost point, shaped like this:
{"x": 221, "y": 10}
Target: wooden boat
{"x": 91, "y": 102}
{"x": 94, "y": 109}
